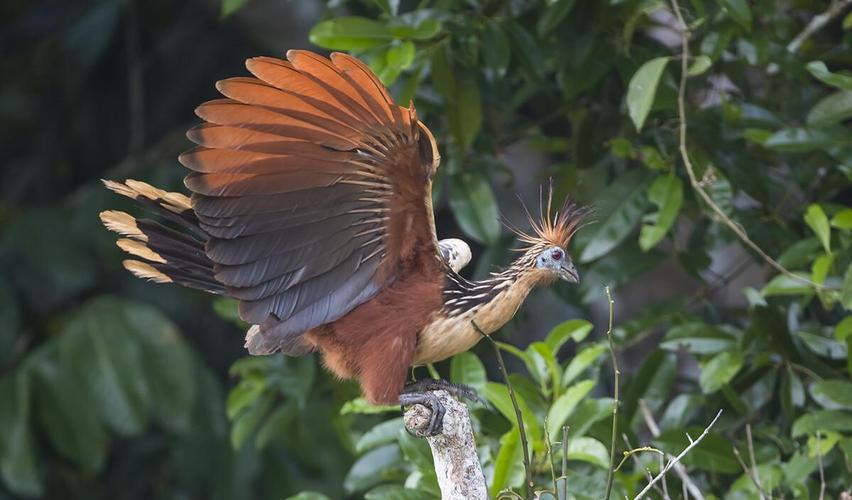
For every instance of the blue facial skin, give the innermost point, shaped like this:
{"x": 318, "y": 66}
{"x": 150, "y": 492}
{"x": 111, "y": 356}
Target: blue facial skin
{"x": 556, "y": 260}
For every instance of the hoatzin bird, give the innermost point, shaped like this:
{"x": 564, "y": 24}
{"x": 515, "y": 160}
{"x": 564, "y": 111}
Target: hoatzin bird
{"x": 311, "y": 206}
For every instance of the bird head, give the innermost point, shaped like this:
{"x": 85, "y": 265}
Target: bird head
{"x": 546, "y": 247}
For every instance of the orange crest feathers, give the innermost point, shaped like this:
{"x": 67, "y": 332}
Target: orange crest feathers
{"x": 550, "y": 228}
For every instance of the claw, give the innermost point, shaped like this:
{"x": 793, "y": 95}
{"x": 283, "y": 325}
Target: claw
{"x": 431, "y": 401}
{"x": 431, "y": 384}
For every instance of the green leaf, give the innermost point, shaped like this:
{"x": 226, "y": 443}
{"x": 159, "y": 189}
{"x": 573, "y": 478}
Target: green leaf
{"x": 719, "y": 371}
{"x": 823, "y": 345}
{"x": 588, "y": 450}
{"x": 475, "y": 207}
{"x": 467, "y": 369}
{"x": 698, "y": 338}
{"x": 831, "y": 109}
{"x": 498, "y": 395}
{"x": 230, "y": 6}
{"x": 643, "y": 88}
{"x": 819, "y": 70}
{"x": 372, "y": 467}
{"x": 699, "y": 65}
{"x": 247, "y": 421}
{"x": 832, "y": 394}
{"x": 18, "y": 467}
{"x": 785, "y": 285}
{"x": 390, "y": 7}
{"x": 416, "y": 451}
{"x": 508, "y": 466}
{"x": 620, "y": 207}
{"x": 581, "y": 361}
{"x": 564, "y": 406}
{"x": 847, "y": 21}
{"x": 555, "y": 14}
{"x": 383, "y": 433}
{"x": 739, "y": 12}
{"x": 824, "y": 420}
{"x": 843, "y": 330}
{"x": 575, "y": 329}
{"x": 499, "y": 51}
{"x": 802, "y": 140}
{"x": 362, "y": 407}
{"x": 427, "y": 29}
{"x": 846, "y": 291}
{"x": 666, "y": 192}
{"x": 587, "y": 413}
{"x": 103, "y": 354}
{"x": 465, "y": 112}
{"x": 842, "y": 219}
{"x": 350, "y": 33}
{"x": 69, "y": 418}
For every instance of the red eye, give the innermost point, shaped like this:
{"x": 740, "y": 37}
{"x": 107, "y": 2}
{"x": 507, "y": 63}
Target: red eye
{"x": 556, "y": 254}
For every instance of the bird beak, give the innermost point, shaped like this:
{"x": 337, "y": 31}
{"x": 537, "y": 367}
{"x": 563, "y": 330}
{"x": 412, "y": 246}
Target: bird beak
{"x": 568, "y": 272}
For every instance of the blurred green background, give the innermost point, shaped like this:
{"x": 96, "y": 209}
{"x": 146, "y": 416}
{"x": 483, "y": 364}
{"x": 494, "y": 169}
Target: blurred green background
{"x": 111, "y": 387}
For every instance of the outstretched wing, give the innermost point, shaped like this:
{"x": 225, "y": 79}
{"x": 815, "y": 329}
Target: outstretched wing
{"x": 310, "y": 182}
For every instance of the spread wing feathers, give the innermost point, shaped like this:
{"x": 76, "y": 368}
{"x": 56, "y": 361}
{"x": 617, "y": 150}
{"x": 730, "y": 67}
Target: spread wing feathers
{"x": 306, "y": 177}
{"x": 162, "y": 254}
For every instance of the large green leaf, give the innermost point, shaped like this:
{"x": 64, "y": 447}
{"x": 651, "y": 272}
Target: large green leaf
{"x": 498, "y": 395}
{"x": 698, "y": 338}
{"x": 818, "y": 222}
{"x": 575, "y": 329}
{"x": 373, "y": 468}
{"x": 350, "y": 33}
{"x": 68, "y": 416}
{"x": 643, "y": 88}
{"x": 666, "y": 192}
{"x": 739, "y": 12}
{"x": 467, "y": 369}
{"x": 583, "y": 360}
{"x": 475, "y": 207}
{"x": 564, "y": 406}
{"x": 819, "y": 70}
{"x": 105, "y": 358}
{"x": 508, "y": 466}
{"x": 619, "y": 208}
{"x": 719, "y": 370}
{"x": 825, "y": 420}
{"x": 588, "y": 450}
{"x": 831, "y": 109}
{"x": 383, "y": 433}
{"x": 18, "y": 467}
{"x": 832, "y": 394}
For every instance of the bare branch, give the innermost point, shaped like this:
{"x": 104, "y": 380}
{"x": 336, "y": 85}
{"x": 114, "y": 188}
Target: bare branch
{"x": 821, "y": 469}
{"x": 453, "y": 450}
{"x": 692, "y": 444}
{"x": 690, "y": 170}
{"x": 817, "y": 23}
{"x": 615, "y": 374}
{"x": 679, "y": 469}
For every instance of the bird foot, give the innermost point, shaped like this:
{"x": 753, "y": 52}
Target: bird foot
{"x": 432, "y": 384}
{"x": 436, "y": 418}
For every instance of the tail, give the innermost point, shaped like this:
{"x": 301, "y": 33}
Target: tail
{"x": 162, "y": 254}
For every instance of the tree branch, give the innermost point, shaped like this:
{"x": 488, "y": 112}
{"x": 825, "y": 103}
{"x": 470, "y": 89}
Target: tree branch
{"x": 453, "y": 450}
{"x": 817, "y": 23}
{"x": 675, "y": 460}
{"x": 679, "y": 468}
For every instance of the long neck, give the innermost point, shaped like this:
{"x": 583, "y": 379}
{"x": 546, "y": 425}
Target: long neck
{"x": 489, "y": 304}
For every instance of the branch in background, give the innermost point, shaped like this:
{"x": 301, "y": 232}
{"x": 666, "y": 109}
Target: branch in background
{"x": 821, "y": 469}
{"x": 615, "y": 373}
{"x": 675, "y": 460}
{"x": 680, "y": 470}
{"x": 693, "y": 180}
{"x": 518, "y": 415}
{"x": 564, "y": 463}
{"x": 751, "y": 473}
{"x": 817, "y": 23}
{"x": 453, "y": 450}
{"x": 754, "y": 462}
{"x": 648, "y": 476}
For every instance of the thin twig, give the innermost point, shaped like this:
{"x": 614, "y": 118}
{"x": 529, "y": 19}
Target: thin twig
{"x": 693, "y": 180}
{"x": 679, "y": 469}
{"x": 615, "y": 372}
{"x": 550, "y": 456}
{"x": 821, "y": 470}
{"x": 564, "y": 462}
{"x": 754, "y": 463}
{"x": 817, "y": 23}
{"x": 672, "y": 462}
{"x": 751, "y": 473}
{"x": 648, "y": 475}
{"x": 518, "y": 415}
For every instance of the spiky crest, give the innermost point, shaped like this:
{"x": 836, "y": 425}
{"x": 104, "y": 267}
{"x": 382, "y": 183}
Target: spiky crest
{"x": 550, "y": 229}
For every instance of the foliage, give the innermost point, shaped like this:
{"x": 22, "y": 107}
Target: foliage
{"x": 112, "y": 387}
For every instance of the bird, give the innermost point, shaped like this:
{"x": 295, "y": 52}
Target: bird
{"x": 311, "y": 205}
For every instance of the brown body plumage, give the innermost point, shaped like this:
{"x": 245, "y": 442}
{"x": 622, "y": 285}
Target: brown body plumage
{"x": 311, "y": 206}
